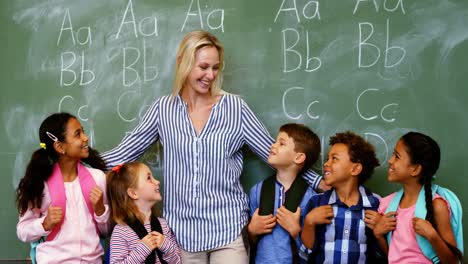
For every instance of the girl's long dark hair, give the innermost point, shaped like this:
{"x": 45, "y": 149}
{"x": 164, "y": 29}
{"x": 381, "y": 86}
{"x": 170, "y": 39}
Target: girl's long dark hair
{"x": 39, "y": 169}
{"x": 425, "y": 151}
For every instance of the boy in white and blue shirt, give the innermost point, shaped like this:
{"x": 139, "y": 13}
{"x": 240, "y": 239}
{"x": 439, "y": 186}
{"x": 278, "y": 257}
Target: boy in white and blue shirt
{"x": 334, "y": 229}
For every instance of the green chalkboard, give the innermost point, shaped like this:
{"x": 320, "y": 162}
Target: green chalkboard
{"x": 377, "y": 67}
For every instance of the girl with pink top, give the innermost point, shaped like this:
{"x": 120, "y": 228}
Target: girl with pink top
{"x": 61, "y": 201}
{"x": 140, "y": 236}
{"x": 414, "y": 162}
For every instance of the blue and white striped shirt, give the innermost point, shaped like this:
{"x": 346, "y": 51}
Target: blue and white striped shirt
{"x": 204, "y": 202}
{"x": 345, "y": 240}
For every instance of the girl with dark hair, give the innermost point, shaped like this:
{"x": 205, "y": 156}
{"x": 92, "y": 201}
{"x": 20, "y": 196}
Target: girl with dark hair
{"x": 414, "y": 162}
{"x": 61, "y": 200}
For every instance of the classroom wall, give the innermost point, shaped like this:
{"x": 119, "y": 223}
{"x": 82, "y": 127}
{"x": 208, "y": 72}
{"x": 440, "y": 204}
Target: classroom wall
{"x": 376, "y": 67}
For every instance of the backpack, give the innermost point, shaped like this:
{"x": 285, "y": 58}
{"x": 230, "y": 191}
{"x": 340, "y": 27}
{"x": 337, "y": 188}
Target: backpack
{"x": 141, "y": 232}
{"x": 293, "y": 199}
{"x": 56, "y": 188}
{"x": 421, "y": 212}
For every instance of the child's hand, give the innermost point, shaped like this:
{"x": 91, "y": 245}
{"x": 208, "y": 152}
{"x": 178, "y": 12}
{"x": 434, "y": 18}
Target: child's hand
{"x": 289, "y": 220}
{"x": 54, "y": 216}
{"x": 96, "y": 197}
{"x": 423, "y": 227}
{"x": 261, "y": 224}
{"x": 386, "y": 224}
{"x": 320, "y": 215}
{"x": 153, "y": 240}
{"x": 371, "y": 218}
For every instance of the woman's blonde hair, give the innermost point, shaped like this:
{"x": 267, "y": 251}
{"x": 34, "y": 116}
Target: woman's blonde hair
{"x": 119, "y": 179}
{"x": 190, "y": 44}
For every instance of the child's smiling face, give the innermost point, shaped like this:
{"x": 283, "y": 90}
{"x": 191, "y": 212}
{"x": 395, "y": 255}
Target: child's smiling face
{"x": 147, "y": 186}
{"x": 400, "y": 168}
{"x": 338, "y": 168}
{"x": 76, "y": 141}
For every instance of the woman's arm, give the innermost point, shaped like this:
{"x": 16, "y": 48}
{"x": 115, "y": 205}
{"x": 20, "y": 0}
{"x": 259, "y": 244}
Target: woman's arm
{"x": 259, "y": 141}
{"x": 137, "y": 142}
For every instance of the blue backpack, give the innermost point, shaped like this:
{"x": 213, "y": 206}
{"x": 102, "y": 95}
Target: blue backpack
{"x": 421, "y": 212}
{"x": 32, "y": 252}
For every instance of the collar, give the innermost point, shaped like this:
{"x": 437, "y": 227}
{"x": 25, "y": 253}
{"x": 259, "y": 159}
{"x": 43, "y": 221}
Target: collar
{"x": 366, "y": 198}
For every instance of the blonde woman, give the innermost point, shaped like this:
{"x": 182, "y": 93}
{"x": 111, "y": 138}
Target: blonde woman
{"x": 202, "y": 130}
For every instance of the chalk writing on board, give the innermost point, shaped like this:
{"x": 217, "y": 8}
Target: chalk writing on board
{"x": 152, "y": 22}
{"x": 308, "y": 111}
{"x": 309, "y": 11}
{"x": 68, "y": 74}
{"x": 383, "y": 111}
{"x": 368, "y": 135}
{"x": 366, "y": 30}
{"x": 399, "y": 4}
{"x": 79, "y": 113}
{"x": 311, "y": 64}
{"x": 69, "y": 27}
{"x": 217, "y": 15}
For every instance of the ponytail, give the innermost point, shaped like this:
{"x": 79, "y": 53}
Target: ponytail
{"x": 31, "y": 186}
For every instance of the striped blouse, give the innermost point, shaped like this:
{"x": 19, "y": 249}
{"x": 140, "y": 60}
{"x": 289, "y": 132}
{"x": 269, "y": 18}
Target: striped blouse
{"x": 126, "y": 247}
{"x": 204, "y": 201}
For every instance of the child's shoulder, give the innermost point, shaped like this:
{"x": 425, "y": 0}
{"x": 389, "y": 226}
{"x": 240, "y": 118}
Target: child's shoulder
{"x": 96, "y": 172}
{"x": 321, "y": 198}
{"x": 98, "y": 175}
{"x": 256, "y": 187}
{"x": 385, "y": 201}
{"x": 163, "y": 221}
{"x": 369, "y": 198}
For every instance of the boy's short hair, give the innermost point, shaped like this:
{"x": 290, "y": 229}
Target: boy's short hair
{"x": 360, "y": 151}
{"x": 305, "y": 141}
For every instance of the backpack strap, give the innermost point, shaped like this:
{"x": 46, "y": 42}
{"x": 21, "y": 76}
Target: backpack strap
{"x": 32, "y": 251}
{"x": 293, "y": 198}
{"x": 457, "y": 213}
{"x": 295, "y": 194}
{"x": 267, "y": 196}
{"x": 140, "y": 230}
{"x": 393, "y": 207}
{"x": 58, "y": 197}
{"x": 455, "y": 219}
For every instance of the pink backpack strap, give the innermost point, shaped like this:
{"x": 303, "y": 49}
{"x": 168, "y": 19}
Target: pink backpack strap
{"x": 87, "y": 183}
{"x": 58, "y": 196}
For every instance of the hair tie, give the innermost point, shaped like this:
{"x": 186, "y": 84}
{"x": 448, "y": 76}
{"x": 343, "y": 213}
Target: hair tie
{"x": 117, "y": 168}
{"x": 42, "y": 145}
